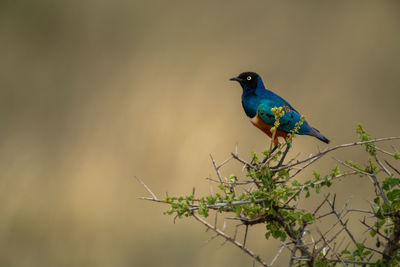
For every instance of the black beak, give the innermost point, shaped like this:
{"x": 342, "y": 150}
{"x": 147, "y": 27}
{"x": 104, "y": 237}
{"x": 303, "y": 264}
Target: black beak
{"x": 236, "y": 79}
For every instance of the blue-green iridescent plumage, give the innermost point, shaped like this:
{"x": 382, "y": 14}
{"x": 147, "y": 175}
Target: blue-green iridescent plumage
{"x": 257, "y": 99}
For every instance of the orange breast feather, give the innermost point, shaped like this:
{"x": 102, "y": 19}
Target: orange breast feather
{"x": 266, "y": 128}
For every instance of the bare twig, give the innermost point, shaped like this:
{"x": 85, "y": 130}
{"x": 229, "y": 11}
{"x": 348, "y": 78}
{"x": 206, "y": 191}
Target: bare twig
{"x": 216, "y": 169}
{"x": 230, "y": 239}
{"x": 384, "y": 151}
{"x": 327, "y": 150}
{"x": 276, "y": 255}
{"x": 344, "y": 224}
{"x": 153, "y": 199}
{"x": 382, "y": 166}
{"x": 147, "y": 188}
{"x": 393, "y": 168}
{"x": 245, "y": 235}
{"x": 327, "y": 244}
{"x": 320, "y": 205}
{"x": 246, "y": 164}
{"x": 359, "y": 210}
{"x": 230, "y": 183}
{"x": 372, "y": 228}
{"x": 372, "y": 175}
{"x": 209, "y": 240}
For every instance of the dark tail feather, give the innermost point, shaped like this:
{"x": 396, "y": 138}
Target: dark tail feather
{"x": 316, "y": 133}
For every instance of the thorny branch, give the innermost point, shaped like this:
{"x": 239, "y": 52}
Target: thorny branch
{"x": 327, "y": 150}
{"x": 302, "y": 247}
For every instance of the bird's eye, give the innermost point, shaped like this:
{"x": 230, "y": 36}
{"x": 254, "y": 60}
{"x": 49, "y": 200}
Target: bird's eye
{"x": 248, "y": 78}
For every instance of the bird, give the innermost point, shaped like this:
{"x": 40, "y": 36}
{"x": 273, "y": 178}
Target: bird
{"x": 257, "y": 102}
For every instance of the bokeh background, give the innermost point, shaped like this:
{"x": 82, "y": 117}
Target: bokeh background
{"x": 94, "y": 93}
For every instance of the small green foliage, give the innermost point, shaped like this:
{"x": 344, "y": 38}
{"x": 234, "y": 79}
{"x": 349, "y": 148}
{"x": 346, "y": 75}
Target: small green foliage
{"x": 222, "y": 187}
{"x": 372, "y": 167}
{"x": 255, "y": 158}
{"x": 307, "y": 192}
{"x": 203, "y": 209}
{"x": 317, "y": 176}
{"x": 393, "y": 195}
{"x": 283, "y": 174}
{"x": 276, "y": 230}
{"x": 233, "y": 178}
{"x": 345, "y": 251}
{"x": 335, "y": 171}
{"x": 372, "y": 233}
{"x": 179, "y": 205}
{"x": 369, "y": 147}
{"x": 390, "y": 182}
{"x": 357, "y": 166}
{"x": 396, "y": 155}
{"x": 308, "y": 217}
{"x": 360, "y": 252}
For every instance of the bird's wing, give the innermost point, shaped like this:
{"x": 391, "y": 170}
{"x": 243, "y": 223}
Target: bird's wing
{"x": 289, "y": 119}
{"x": 275, "y": 98}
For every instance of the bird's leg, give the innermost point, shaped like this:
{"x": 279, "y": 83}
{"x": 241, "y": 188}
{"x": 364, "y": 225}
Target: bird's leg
{"x": 283, "y": 156}
{"x": 269, "y": 154}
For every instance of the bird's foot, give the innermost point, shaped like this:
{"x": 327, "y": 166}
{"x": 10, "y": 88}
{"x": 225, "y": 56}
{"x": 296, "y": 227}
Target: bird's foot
{"x": 280, "y": 164}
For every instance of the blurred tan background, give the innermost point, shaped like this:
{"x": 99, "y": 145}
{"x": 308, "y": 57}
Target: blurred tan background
{"x": 93, "y": 93}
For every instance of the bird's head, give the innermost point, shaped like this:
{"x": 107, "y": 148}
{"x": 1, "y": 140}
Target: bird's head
{"x": 248, "y": 80}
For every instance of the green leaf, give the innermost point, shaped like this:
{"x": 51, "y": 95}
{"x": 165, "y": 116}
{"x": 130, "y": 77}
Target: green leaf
{"x": 272, "y": 212}
{"x": 369, "y": 147}
{"x": 380, "y": 223}
{"x": 395, "y": 204}
{"x": 372, "y": 233}
{"x": 345, "y": 251}
{"x": 276, "y": 234}
{"x": 283, "y": 174}
{"x": 390, "y": 182}
{"x": 238, "y": 211}
{"x": 308, "y": 217}
{"x": 379, "y": 213}
{"x": 267, "y": 234}
{"x": 296, "y": 183}
{"x": 316, "y": 175}
{"x": 335, "y": 171}
{"x": 360, "y": 247}
{"x": 283, "y": 236}
{"x": 394, "y": 194}
{"x": 222, "y": 187}
{"x": 203, "y": 209}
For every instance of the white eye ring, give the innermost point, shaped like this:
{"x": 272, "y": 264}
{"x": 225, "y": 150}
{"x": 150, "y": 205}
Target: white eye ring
{"x": 248, "y": 78}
